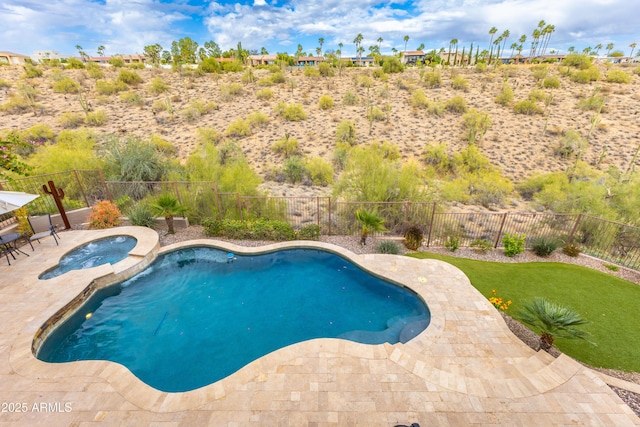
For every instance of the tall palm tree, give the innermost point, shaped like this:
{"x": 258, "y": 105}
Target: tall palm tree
{"x": 513, "y": 47}
{"x": 380, "y": 40}
{"x": 357, "y": 42}
{"x": 552, "y": 320}
{"x": 320, "y": 42}
{"x": 168, "y": 206}
{"x": 534, "y": 43}
{"x": 632, "y": 46}
{"x": 505, "y": 35}
{"x": 370, "y": 222}
{"x": 406, "y": 40}
{"x": 492, "y": 32}
{"x": 609, "y": 48}
{"x": 597, "y": 48}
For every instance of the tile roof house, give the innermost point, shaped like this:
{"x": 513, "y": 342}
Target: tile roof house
{"x": 263, "y": 59}
{"x": 12, "y": 58}
{"x": 411, "y": 57}
{"x": 303, "y": 61}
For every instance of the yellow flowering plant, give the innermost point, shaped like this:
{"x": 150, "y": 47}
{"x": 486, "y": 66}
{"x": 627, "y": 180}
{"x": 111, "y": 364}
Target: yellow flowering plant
{"x": 499, "y": 302}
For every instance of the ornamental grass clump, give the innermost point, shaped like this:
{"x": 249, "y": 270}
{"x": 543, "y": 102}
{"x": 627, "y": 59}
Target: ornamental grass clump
{"x": 105, "y": 214}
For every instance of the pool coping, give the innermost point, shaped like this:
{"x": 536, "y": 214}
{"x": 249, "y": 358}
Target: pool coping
{"x": 483, "y": 360}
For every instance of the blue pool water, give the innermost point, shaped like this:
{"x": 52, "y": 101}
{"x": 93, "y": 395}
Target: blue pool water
{"x": 193, "y": 318}
{"x": 109, "y": 250}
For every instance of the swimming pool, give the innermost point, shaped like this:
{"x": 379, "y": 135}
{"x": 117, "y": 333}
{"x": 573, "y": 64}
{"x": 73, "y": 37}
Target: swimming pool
{"x": 193, "y": 318}
{"x": 108, "y": 250}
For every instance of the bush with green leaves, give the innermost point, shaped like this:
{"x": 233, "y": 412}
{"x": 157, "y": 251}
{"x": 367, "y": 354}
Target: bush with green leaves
{"x": 436, "y": 156}
{"x": 527, "y": 107}
{"x": 286, "y": 146}
{"x": 129, "y": 77}
{"x": 158, "y": 86}
{"x": 419, "y": 99}
{"x": 551, "y": 82}
{"x": 319, "y": 171}
{"x": 571, "y": 143}
{"x": 131, "y": 98}
{"x": 413, "y": 237}
{"x": 481, "y": 67}
{"x": 142, "y": 215}
{"x": 240, "y": 128}
{"x": 264, "y": 94}
{"x": 593, "y": 103}
{"x": 506, "y": 95}
{"x": 258, "y": 229}
{"x": 96, "y": 118}
{"x": 350, "y": 98}
{"x": 69, "y": 120}
{"x": 388, "y": 247}
{"x": 432, "y": 78}
{"x": 586, "y": 76}
{"x": 133, "y": 159}
{"x": 459, "y": 83}
{"x": 544, "y": 246}
{"x": 482, "y": 245}
{"x": 537, "y": 95}
{"x": 65, "y": 85}
{"x": 208, "y": 135}
{"x": 392, "y": 64}
{"x": 346, "y": 132}
{"x": 457, "y": 105}
{"x": 513, "y": 244}
{"x": 375, "y": 114}
{"x": 292, "y": 112}
{"x": 452, "y": 243}
{"x": 31, "y": 71}
{"x": 4, "y": 83}
{"x": 476, "y": 124}
{"x": 577, "y": 60}
{"x": 294, "y": 169}
{"x": 309, "y": 232}
{"x": 110, "y": 87}
{"x": 326, "y": 102}
{"x": 230, "y": 91}
{"x": 571, "y": 249}
{"x": 311, "y": 72}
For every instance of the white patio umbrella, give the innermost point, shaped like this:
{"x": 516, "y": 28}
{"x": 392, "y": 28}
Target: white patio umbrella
{"x": 12, "y": 200}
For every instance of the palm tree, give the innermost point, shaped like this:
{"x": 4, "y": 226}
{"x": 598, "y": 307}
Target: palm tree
{"x": 168, "y": 206}
{"x": 513, "y": 47}
{"x": 320, "y": 42}
{"x": 421, "y": 46}
{"x": 406, "y": 40}
{"x": 453, "y": 42}
{"x": 380, "y": 40}
{"x": 370, "y": 222}
{"x": 492, "y": 31}
{"x": 357, "y": 42}
{"x": 553, "y": 321}
{"x": 609, "y": 48}
{"x": 100, "y": 50}
{"x": 632, "y": 46}
{"x": 505, "y": 35}
{"x": 597, "y": 49}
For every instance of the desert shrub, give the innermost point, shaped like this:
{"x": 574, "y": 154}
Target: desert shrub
{"x": 432, "y": 79}
{"x": 208, "y": 135}
{"x": 552, "y": 82}
{"x": 544, "y": 246}
{"x": 506, "y": 95}
{"x": 618, "y": 76}
{"x": 110, "y": 87}
{"x": 577, "y": 60}
{"x": 38, "y": 133}
{"x": 437, "y": 108}
{"x": 326, "y": 102}
{"x": 457, "y": 104}
{"x": 346, "y": 132}
{"x": 326, "y": 70}
{"x": 452, "y": 243}
{"x": 94, "y": 71}
{"x": 159, "y": 105}
{"x": 265, "y": 82}
{"x": 571, "y": 249}
{"x": 286, "y": 146}
{"x": 540, "y": 72}
{"x": 375, "y": 114}
{"x": 96, "y": 118}
{"x": 142, "y": 215}
{"x": 4, "y": 83}
{"x": 31, "y": 71}
{"x": 158, "y": 86}
{"x": 537, "y": 95}
{"x": 309, "y": 232}
{"x": 290, "y": 112}
{"x": 116, "y": 62}
{"x": 264, "y": 94}
{"x": 319, "y": 171}
{"x": 131, "y": 98}
{"x": 311, "y": 72}
{"x": 527, "y": 107}
{"x": 65, "y": 85}
{"x": 436, "y": 156}
{"x": 294, "y": 169}
{"x": 419, "y": 99}
{"x": 258, "y": 229}
{"x": 513, "y": 244}
{"x": 481, "y": 67}
{"x": 104, "y": 214}
{"x": 278, "y": 77}
{"x": 350, "y": 98}
{"x": 129, "y": 77}
{"x": 136, "y": 66}
{"x": 69, "y": 120}
{"x": 571, "y": 143}
{"x": 162, "y": 145}
{"x": 459, "y": 83}
{"x": 239, "y": 128}
{"x": 229, "y": 91}
{"x": 388, "y": 247}
{"x": 257, "y": 119}
{"x": 585, "y": 76}
{"x": 413, "y": 238}
{"x": 482, "y": 245}
{"x": 593, "y": 103}
{"x": 75, "y": 64}
{"x": 476, "y": 124}
{"x": 365, "y": 80}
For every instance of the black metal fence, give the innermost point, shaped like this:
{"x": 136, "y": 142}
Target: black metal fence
{"x": 607, "y": 240}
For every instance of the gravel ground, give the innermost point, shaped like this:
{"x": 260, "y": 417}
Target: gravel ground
{"x": 527, "y": 336}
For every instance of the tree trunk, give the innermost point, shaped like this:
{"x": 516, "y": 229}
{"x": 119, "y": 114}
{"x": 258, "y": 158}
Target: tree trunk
{"x": 546, "y": 341}
{"x": 169, "y": 219}
{"x": 363, "y": 238}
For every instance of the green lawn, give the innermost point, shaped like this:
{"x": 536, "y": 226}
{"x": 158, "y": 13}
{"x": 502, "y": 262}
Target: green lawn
{"x": 612, "y": 305}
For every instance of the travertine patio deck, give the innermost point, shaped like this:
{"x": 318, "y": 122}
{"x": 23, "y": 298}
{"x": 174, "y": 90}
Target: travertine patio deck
{"x": 466, "y": 368}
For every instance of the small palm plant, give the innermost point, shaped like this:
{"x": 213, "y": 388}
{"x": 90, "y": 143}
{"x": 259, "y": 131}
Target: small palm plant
{"x": 168, "y": 206}
{"x": 370, "y": 222}
{"x": 553, "y": 321}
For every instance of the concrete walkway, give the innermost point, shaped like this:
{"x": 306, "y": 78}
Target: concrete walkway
{"x": 466, "y": 368}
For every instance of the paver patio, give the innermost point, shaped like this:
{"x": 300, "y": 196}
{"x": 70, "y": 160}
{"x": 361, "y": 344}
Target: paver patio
{"x": 466, "y": 368}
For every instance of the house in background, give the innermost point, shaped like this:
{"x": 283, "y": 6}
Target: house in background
{"x": 304, "y": 61}
{"x": 412, "y": 57}
{"x": 47, "y": 55}
{"x": 365, "y": 61}
{"x": 12, "y": 58}
{"x": 263, "y": 59}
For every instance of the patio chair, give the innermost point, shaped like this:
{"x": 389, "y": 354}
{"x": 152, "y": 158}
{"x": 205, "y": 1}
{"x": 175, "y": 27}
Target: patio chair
{"x": 42, "y": 227}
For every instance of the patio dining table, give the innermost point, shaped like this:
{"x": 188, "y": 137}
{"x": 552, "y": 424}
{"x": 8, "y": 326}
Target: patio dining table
{"x": 9, "y": 243}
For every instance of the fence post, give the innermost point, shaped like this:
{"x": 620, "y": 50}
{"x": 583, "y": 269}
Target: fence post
{"x": 238, "y": 205}
{"x": 84, "y": 195}
{"x": 318, "y": 210}
{"x": 575, "y": 227}
{"x": 215, "y": 192}
{"x": 329, "y": 216}
{"x": 433, "y": 216}
{"x": 106, "y": 186}
{"x": 504, "y": 218}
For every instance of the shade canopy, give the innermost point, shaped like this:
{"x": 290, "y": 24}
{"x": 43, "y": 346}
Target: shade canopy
{"x": 12, "y": 200}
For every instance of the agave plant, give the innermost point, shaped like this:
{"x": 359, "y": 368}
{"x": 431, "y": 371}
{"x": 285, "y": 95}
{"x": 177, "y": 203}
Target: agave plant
{"x": 370, "y": 222}
{"x": 553, "y": 321}
{"x": 168, "y": 206}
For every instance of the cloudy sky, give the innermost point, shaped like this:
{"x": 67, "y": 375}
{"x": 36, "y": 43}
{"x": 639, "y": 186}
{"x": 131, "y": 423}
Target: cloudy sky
{"x": 126, "y": 26}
